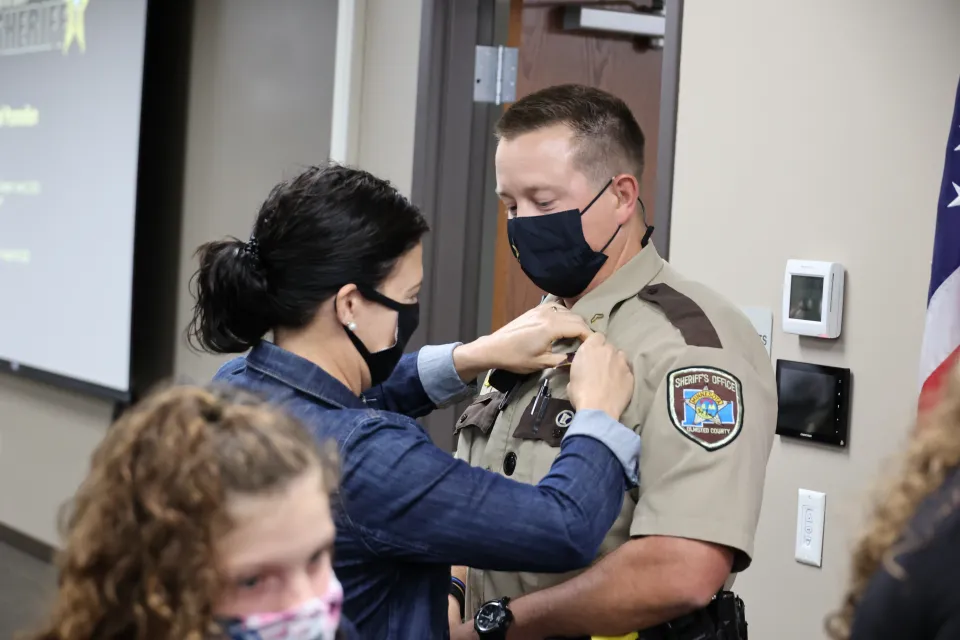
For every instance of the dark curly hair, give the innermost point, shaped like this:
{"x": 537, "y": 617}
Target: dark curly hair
{"x": 139, "y": 554}
{"x": 325, "y": 228}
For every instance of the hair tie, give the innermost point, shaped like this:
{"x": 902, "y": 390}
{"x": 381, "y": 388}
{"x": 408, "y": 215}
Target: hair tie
{"x": 252, "y": 248}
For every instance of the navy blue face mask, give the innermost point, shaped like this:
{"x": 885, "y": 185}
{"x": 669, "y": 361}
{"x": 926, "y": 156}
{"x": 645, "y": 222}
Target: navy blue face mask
{"x": 554, "y": 254}
{"x": 382, "y": 363}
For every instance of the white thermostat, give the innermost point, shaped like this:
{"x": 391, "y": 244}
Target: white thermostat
{"x": 813, "y": 298}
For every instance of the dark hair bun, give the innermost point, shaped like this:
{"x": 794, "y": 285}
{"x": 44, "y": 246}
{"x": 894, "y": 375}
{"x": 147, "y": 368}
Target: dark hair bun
{"x": 232, "y": 298}
{"x": 325, "y": 228}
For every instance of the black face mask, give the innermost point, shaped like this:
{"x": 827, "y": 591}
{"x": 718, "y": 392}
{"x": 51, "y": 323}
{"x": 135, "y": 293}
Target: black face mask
{"x": 554, "y": 254}
{"x": 382, "y": 363}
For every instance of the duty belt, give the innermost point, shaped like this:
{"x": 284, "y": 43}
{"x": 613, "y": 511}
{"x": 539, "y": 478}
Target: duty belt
{"x": 723, "y": 619}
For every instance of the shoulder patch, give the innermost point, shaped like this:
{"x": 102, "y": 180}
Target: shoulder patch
{"x": 705, "y": 405}
{"x": 684, "y": 314}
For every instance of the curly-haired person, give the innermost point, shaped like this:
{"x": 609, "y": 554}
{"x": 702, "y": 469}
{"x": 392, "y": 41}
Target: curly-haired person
{"x": 205, "y": 514}
{"x": 903, "y": 579}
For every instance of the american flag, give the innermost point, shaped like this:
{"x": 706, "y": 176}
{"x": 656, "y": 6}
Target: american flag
{"x": 941, "y": 337}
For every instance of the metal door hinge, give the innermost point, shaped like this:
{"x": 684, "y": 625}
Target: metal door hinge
{"x": 495, "y": 75}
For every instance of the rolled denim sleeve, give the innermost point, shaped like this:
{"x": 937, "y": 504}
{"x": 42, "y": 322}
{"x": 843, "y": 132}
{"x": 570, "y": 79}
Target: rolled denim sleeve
{"x": 622, "y": 442}
{"x": 422, "y": 381}
{"x": 408, "y": 500}
{"x": 439, "y": 376}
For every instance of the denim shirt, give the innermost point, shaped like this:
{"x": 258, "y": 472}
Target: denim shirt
{"x": 406, "y": 510}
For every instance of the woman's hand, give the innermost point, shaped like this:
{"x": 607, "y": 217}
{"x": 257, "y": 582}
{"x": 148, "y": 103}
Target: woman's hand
{"x": 600, "y": 378}
{"x": 524, "y": 345}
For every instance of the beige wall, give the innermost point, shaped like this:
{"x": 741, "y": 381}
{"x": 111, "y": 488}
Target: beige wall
{"x": 815, "y": 131}
{"x": 260, "y": 105}
{"x": 389, "y": 90}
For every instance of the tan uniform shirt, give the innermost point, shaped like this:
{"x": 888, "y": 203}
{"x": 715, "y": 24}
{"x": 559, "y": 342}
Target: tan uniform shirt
{"x": 705, "y": 405}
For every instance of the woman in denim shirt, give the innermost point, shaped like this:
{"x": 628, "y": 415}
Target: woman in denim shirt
{"x": 333, "y": 268}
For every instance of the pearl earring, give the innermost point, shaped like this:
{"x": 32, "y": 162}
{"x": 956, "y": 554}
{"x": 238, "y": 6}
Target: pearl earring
{"x": 352, "y": 326}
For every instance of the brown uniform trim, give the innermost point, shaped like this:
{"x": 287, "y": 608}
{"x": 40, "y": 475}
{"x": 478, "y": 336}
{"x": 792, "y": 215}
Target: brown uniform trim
{"x": 482, "y": 412}
{"x": 684, "y": 314}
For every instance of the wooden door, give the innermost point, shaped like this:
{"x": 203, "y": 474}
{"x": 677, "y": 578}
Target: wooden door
{"x": 625, "y": 66}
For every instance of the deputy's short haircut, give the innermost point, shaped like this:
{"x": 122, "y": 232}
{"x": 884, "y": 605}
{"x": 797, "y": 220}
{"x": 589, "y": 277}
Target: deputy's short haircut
{"x": 608, "y": 139}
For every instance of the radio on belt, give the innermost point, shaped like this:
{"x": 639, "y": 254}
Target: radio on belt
{"x": 813, "y": 298}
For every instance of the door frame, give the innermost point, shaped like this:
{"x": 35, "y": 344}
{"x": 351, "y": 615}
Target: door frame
{"x": 453, "y": 150}
{"x": 451, "y": 143}
{"x": 669, "y": 96}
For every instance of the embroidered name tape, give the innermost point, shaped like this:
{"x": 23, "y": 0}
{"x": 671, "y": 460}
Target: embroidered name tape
{"x": 705, "y": 405}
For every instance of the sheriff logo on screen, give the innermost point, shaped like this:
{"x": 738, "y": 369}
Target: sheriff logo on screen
{"x": 39, "y": 26}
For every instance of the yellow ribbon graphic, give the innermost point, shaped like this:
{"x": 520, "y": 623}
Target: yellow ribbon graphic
{"x": 74, "y": 30}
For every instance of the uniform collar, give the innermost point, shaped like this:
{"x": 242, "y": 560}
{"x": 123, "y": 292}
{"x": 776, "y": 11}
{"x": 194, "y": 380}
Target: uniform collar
{"x": 625, "y": 282}
{"x": 301, "y": 374}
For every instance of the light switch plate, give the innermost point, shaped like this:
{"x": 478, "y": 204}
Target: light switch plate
{"x": 811, "y": 506}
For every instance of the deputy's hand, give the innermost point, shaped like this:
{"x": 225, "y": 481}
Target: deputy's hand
{"x": 523, "y": 346}
{"x": 600, "y": 378}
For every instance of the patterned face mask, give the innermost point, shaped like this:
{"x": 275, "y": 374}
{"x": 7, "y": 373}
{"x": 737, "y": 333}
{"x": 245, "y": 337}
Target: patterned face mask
{"x": 315, "y": 619}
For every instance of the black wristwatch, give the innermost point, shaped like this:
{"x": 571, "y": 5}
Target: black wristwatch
{"x": 493, "y": 619}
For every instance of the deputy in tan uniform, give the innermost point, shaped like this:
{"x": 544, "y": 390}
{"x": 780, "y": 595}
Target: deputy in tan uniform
{"x": 568, "y": 165}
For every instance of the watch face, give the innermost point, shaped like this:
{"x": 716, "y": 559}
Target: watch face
{"x": 490, "y": 617}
